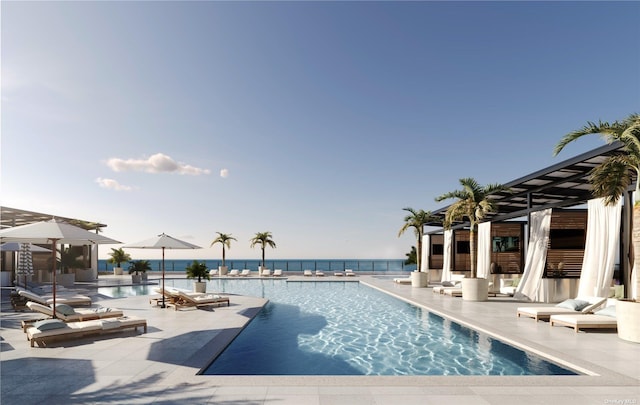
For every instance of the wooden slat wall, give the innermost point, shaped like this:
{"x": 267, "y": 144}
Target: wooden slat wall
{"x": 461, "y": 261}
{"x": 507, "y": 262}
{"x": 436, "y": 261}
{"x": 572, "y": 258}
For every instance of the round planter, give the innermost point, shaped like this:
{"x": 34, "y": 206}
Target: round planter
{"x": 419, "y": 279}
{"x": 136, "y": 278}
{"x": 117, "y": 271}
{"x": 475, "y": 289}
{"x": 628, "y": 317}
{"x": 86, "y": 274}
{"x": 222, "y": 270}
{"x": 200, "y": 287}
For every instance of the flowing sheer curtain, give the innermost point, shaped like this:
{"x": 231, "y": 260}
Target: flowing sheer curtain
{"x": 536, "y": 255}
{"x": 484, "y": 250}
{"x": 448, "y": 255}
{"x": 601, "y": 247}
{"x": 424, "y": 258}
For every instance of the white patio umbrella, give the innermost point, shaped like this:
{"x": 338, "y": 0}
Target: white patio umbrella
{"x": 53, "y": 232}
{"x": 162, "y": 241}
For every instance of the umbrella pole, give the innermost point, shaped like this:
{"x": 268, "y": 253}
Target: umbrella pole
{"x": 55, "y": 258}
{"x": 163, "y": 291}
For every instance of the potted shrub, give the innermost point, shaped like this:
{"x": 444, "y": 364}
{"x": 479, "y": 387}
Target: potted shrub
{"x": 68, "y": 263}
{"x": 198, "y": 270}
{"x": 137, "y": 268}
{"x": 118, "y": 256}
{"x": 417, "y": 219}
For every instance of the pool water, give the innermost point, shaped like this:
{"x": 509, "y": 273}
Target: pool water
{"x": 345, "y": 328}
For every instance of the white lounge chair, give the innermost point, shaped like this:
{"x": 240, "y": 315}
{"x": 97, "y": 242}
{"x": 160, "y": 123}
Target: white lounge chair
{"x": 234, "y": 273}
{"x": 319, "y": 273}
{"x": 69, "y": 299}
{"x": 578, "y": 305}
{"x": 277, "y": 273}
{"x": 349, "y": 273}
{"x": 213, "y": 272}
{"x": 245, "y": 273}
{"x": 197, "y": 301}
{"x": 266, "y": 272}
{"x": 308, "y": 273}
{"x": 43, "y": 332}
{"x": 69, "y": 314}
{"x": 604, "y": 318}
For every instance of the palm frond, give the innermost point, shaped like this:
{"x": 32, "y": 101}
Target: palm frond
{"x": 612, "y": 178}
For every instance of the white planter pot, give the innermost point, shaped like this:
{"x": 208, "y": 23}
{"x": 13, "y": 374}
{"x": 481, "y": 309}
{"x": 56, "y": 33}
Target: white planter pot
{"x": 67, "y": 280}
{"x": 475, "y": 289}
{"x": 222, "y": 270}
{"x": 200, "y": 287}
{"x": 419, "y": 279}
{"x": 86, "y": 274}
{"x": 628, "y": 317}
{"x": 117, "y": 271}
{"x": 136, "y": 278}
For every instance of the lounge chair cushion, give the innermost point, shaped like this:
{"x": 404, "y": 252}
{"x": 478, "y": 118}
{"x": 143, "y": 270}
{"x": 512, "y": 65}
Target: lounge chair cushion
{"x": 448, "y": 284}
{"x": 574, "y": 304}
{"x": 49, "y": 324}
{"x": 65, "y": 309}
{"x": 607, "y": 311}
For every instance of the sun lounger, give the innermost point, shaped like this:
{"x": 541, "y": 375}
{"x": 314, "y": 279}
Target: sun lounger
{"x": 579, "y": 305}
{"x": 402, "y": 280}
{"x": 197, "y": 301}
{"x": 213, "y": 272}
{"x": 66, "y": 313}
{"x": 69, "y": 299}
{"x": 349, "y": 273}
{"x": 453, "y": 291}
{"x": 43, "y": 332}
{"x": 338, "y": 274}
{"x": 245, "y": 273}
{"x": 308, "y": 273}
{"x": 277, "y": 273}
{"x": 266, "y": 273}
{"x": 319, "y": 273}
{"x": 234, "y": 273}
{"x": 604, "y": 318}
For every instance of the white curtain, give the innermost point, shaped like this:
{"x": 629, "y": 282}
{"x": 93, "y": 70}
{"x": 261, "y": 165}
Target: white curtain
{"x": 484, "y": 250}
{"x": 601, "y": 247}
{"x": 426, "y": 250}
{"x": 536, "y": 255}
{"x": 448, "y": 255}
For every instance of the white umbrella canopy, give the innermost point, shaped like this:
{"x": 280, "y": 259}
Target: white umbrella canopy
{"x": 53, "y": 232}
{"x": 162, "y": 241}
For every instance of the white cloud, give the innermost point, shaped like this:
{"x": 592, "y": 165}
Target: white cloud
{"x": 158, "y": 163}
{"x": 112, "y": 184}
{"x": 224, "y": 173}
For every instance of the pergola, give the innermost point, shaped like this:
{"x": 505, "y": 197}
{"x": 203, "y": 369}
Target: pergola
{"x": 10, "y": 217}
{"x": 563, "y": 185}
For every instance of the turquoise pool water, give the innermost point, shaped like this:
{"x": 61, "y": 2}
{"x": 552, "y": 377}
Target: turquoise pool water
{"x": 345, "y": 328}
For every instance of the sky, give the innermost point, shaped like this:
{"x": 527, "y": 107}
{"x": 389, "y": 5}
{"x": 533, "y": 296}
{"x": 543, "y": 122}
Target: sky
{"x": 316, "y": 121}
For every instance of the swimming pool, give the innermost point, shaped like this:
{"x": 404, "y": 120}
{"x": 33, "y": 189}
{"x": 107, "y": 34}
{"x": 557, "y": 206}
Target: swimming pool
{"x": 345, "y": 328}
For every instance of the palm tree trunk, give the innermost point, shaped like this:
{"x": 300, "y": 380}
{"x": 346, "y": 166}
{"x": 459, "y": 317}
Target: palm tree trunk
{"x": 473, "y": 251}
{"x": 419, "y": 253}
{"x": 223, "y": 256}
{"x": 635, "y": 240}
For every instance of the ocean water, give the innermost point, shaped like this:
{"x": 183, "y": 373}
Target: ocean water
{"x": 296, "y": 265}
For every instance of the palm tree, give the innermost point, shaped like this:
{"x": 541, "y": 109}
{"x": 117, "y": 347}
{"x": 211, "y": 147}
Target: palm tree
{"x": 118, "y": 256}
{"x": 473, "y": 204}
{"x": 263, "y": 239}
{"x": 615, "y": 175}
{"x": 225, "y": 240}
{"x": 417, "y": 220}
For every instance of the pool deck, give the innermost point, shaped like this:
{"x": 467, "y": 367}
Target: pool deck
{"x": 161, "y": 366}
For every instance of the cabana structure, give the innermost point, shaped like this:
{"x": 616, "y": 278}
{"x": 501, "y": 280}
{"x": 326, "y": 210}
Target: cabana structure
{"x": 548, "y": 206}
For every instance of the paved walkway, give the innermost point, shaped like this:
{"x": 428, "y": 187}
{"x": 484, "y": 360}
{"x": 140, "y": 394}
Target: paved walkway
{"x": 160, "y": 367}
